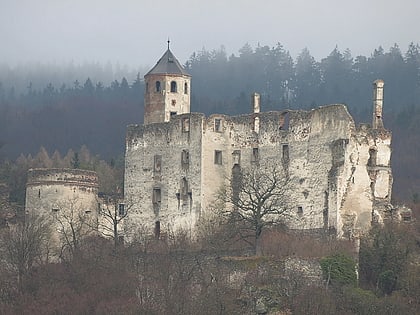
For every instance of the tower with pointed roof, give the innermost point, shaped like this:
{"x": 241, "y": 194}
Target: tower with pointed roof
{"x": 167, "y": 90}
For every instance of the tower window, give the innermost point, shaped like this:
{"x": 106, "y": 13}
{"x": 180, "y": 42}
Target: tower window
{"x": 285, "y": 153}
{"x": 173, "y": 87}
{"x": 157, "y": 86}
{"x": 121, "y": 209}
{"x": 218, "y": 125}
{"x": 157, "y": 165}
{"x": 186, "y": 88}
{"x": 218, "y": 157}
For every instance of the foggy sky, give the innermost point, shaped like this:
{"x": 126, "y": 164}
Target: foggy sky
{"x": 134, "y": 32}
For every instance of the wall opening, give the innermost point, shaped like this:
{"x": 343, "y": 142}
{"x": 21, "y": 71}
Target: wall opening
{"x": 236, "y": 182}
{"x": 255, "y": 158}
{"x": 121, "y": 209}
{"x": 157, "y": 196}
{"x": 185, "y": 124}
{"x": 185, "y": 158}
{"x": 373, "y": 155}
{"x": 173, "y": 87}
{"x": 236, "y": 157}
{"x": 218, "y": 157}
{"x": 157, "y": 86}
{"x": 186, "y": 88}
{"x": 217, "y": 125}
{"x": 285, "y": 154}
{"x": 284, "y": 121}
{"x": 157, "y": 163}
{"x": 157, "y": 229}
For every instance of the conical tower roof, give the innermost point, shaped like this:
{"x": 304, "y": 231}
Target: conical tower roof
{"x": 168, "y": 64}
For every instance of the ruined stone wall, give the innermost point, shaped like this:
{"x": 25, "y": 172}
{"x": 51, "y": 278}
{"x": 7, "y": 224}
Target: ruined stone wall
{"x": 298, "y": 142}
{"x": 163, "y": 174}
{"x": 49, "y": 189}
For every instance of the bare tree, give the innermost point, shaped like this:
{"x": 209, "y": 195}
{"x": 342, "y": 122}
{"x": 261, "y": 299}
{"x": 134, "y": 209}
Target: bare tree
{"x": 111, "y": 215}
{"x": 74, "y": 222}
{"x": 26, "y": 244}
{"x": 257, "y": 198}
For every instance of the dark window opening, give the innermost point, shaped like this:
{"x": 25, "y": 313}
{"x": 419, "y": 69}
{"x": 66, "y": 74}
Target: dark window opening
{"x": 173, "y": 87}
{"x": 157, "y": 86}
{"x": 372, "y": 157}
{"x": 218, "y": 157}
{"x": 172, "y": 114}
{"x": 186, "y": 88}
{"x": 157, "y": 229}
{"x": 121, "y": 209}
{"x": 156, "y": 196}
{"x": 185, "y": 158}
{"x": 255, "y": 155}
{"x": 186, "y": 124}
{"x": 157, "y": 165}
{"x": 285, "y": 153}
{"x": 218, "y": 125}
{"x": 184, "y": 189}
{"x": 173, "y": 102}
{"x": 39, "y": 193}
{"x": 300, "y": 210}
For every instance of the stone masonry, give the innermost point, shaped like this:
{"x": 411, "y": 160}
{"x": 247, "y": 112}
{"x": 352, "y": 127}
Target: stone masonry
{"x": 177, "y": 160}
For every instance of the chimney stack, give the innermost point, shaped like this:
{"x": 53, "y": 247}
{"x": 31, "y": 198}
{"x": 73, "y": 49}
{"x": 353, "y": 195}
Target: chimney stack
{"x": 378, "y": 100}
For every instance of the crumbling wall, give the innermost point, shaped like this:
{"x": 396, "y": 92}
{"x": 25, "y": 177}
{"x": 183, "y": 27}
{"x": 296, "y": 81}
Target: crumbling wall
{"x": 163, "y": 175}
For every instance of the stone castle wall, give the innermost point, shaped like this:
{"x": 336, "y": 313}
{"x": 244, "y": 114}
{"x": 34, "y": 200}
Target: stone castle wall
{"x": 49, "y": 189}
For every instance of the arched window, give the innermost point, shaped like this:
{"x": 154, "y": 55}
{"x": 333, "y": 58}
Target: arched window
{"x": 173, "y": 87}
{"x": 157, "y": 86}
{"x": 186, "y": 88}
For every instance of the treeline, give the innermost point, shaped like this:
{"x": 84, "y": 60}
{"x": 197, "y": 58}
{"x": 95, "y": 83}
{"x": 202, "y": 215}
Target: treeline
{"x": 60, "y": 116}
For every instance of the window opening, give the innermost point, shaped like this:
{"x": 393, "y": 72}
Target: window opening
{"x": 185, "y": 158}
{"x": 186, "y": 88}
{"x": 300, "y": 210}
{"x": 285, "y": 153}
{"x": 121, "y": 209}
{"x": 217, "y": 125}
{"x": 284, "y": 121}
{"x": 255, "y": 155}
{"x": 173, "y": 87}
{"x": 173, "y": 102}
{"x": 157, "y": 229}
{"x": 236, "y": 155}
{"x": 157, "y": 196}
{"x": 372, "y": 157}
{"x": 186, "y": 124}
{"x": 157, "y": 165}
{"x": 157, "y": 86}
{"x": 218, "y": 157}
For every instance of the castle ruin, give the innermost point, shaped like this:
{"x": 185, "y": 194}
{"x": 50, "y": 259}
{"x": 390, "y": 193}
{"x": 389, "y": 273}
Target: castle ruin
{"x": 177, "y": 161}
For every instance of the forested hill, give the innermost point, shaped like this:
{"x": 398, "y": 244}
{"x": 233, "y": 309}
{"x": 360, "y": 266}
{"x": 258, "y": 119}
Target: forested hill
{"x": 91, "y": 111}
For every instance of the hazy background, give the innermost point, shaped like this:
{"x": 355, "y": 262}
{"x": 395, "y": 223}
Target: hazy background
{"x": 134, "y": 32}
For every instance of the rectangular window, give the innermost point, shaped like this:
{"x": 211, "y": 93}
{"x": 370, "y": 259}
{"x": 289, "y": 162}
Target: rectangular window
{"x": 299, "y": 210}
{"x": 157, "y": 164}
{"x": 236, "y": 155}
{"x": 217, "y": 125}
{"x": 285, "y": 153}
{"x": 185, "y": 158}
{"x": 121, "y": 209}
{"x": 157, "y": 196}
{"x": 255, "y": 155}
{"x": 218, "y": 157}
{"x": 186, "y": 124}
{"x": 172, "y": 114}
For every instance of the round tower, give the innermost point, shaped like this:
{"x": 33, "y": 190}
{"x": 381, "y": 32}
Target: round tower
{"x": 167, "y": 91}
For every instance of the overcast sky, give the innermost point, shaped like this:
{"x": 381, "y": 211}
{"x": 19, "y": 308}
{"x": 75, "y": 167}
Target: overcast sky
{"x": 134, "y": 32}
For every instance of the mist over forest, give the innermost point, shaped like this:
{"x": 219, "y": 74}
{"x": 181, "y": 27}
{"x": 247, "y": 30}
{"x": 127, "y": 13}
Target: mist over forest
{"x": 62, "y": 107}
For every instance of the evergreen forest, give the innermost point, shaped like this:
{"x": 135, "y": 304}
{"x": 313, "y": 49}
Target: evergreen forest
{"x": 64, "y": 107}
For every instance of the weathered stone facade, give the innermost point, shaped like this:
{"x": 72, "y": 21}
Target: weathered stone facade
{"x": 48, "y": 190}
{"x": 174, "y": 167}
